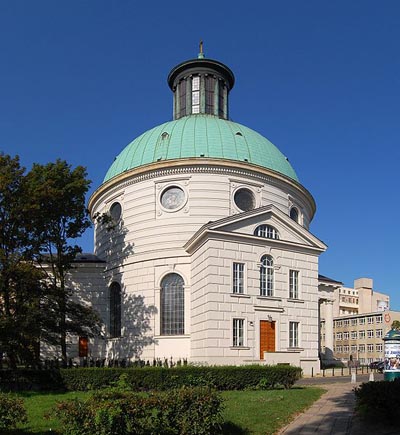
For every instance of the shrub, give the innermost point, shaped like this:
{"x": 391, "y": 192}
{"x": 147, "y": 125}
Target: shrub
{"x": 379, "y": 401}
{"x": 185, "y": 411}
{"x": 12, "y": 411}
{"x": 30, "y": 379}
{"x": 160, "y": 378}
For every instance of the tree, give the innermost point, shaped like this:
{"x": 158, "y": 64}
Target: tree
{"x": 58, "y": 216}
{"x": 396, "y": 324}
{"x": 40, "y": 213}
{"x": 21, "y": 288}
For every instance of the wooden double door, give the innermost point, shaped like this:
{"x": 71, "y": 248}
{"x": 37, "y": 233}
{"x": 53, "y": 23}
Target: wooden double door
{"x": 267, "y": 337}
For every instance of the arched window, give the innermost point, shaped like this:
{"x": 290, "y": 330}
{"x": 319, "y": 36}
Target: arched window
{"x": 115, "y": 310}
{"x": 267, "y": 276}
{"x": 172, "y": 305}
{"x": 266, "y": 231}
{"x": 294, "y": 214}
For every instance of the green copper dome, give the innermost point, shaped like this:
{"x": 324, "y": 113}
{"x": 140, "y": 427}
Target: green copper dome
{"x": 201, "y": 136}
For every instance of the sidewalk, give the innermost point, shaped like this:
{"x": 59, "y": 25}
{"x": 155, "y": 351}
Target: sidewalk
{"x": 333, "y": 414}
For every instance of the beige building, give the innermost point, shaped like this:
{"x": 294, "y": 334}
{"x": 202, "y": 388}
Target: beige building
{"x": 209, "y": 254}
{"x": 356, "y": 321}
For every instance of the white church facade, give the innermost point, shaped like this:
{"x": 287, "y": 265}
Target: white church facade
{"x": 207, "y": 254}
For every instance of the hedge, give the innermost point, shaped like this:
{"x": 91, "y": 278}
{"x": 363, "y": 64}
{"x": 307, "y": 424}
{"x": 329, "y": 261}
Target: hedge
{"x": 157, "y": 378}
{"x": 195, "y": 411}
{"x": 379, "y": 401}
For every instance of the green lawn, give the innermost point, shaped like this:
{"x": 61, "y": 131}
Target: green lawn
{"x": 264, "y": 412}
{"x": 246, "y": 412}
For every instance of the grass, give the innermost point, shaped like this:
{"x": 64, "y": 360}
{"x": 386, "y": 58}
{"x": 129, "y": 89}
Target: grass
{"x": 245, "y": 412}
{"x": 264, "y": 412}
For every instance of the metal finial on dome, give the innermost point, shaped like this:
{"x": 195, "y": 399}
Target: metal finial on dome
{"x": 201, "y": 54}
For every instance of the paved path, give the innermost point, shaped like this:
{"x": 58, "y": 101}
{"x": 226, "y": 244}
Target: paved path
{"x": 333, "y": 414}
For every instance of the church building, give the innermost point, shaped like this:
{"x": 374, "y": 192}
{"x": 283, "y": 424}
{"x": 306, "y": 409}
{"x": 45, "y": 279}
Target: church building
{"x": 207, "y": 253}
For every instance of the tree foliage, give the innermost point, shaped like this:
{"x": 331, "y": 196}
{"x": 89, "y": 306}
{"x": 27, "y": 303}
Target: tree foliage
{"x": 40, "y": 213}
{"x": 396, "y": 324}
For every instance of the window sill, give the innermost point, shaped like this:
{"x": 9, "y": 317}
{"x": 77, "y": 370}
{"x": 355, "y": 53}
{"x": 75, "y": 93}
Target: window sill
{"x": 296, "y": 301}
{"x": 239, "y": 348}
{"x": 240, "y": 295}
{"x": 162, "y": 337}
{"x": 269, "y": 298}
{"x": 295, "y": 349}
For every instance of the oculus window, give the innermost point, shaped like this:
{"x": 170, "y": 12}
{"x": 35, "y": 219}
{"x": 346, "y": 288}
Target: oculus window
{"x": 173, "y": 198}
{"x": 172, "y": 305}
{"x": 244, "y": 199}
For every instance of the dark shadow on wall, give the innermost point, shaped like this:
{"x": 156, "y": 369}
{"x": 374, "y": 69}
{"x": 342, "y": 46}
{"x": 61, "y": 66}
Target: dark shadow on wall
{"x": 136, "y": 317}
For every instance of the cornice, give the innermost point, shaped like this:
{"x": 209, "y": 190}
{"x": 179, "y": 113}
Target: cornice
{"x": 190, "y": 166}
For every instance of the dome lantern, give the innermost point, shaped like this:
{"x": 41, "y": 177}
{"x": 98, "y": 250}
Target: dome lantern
{"x": 201, "y": 86}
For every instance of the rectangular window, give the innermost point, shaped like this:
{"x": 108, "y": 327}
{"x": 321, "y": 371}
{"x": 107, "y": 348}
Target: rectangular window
{"x": 346, "y": 349}
{"x": 362, "y": 321}
{"x": 339, "y": 323}
{"x": 339, "y": 336}
{"x": 346, "y": 322}
{"x": 182, "y": 98}
{"x": 379, "y": 347}
{"x": 361, "y": 348}
{"x": 196, "y": 94}
{"x": 370, "y": 347}
{"x": 238, "y": 278}
{"x": 353, "y": 322}
{"x": 293, "y": 284}
{"x": 238, "y": 332}
{"x": 345, "y": 335}
{"x": 354, "y": 335}
{"x": 293, "y": 334}
{"x": 378, "y": 319}
{"x": 210, "y": 91}
{"x": 379, "y": 333}
{"x": 339, "y": 349}
{"x": 353, "y": 348}
{"x": 370, "y": 333}
{"x": 370, "y": 320}
{"x": 361, "y": 334}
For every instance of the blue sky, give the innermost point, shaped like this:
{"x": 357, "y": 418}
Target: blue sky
{"x": 320, "y": 79}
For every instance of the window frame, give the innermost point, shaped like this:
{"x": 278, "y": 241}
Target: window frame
{"x": 294, "y": 284}
{"x": 238, "y": 283}
{"x": 267, "y": 231}
{"x": 172, "y": 305}
{"x": 238, "y": 332}
{"x": 294, "y": 334}
{"x": 115, "y": 310}
{"x": 267, "y": 276}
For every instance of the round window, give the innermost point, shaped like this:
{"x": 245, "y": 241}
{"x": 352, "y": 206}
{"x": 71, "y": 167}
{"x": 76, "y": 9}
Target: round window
{"x": 244, "y": 199}
{"x": 116, "y": 211}
{"x": 172, "y": 198}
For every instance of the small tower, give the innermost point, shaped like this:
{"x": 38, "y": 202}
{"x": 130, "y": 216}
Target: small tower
{"x": 201, "y": 86}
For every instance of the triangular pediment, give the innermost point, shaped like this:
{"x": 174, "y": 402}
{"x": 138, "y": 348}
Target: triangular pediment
{"x": 244, "y": 225}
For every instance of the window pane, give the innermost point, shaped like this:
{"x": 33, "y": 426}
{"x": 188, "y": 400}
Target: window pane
{"x": 115, "y": 310}
{"x": 267, "y": 276}
{"x": 266, "y": 231}
{"x": 293, "y": 284}
{"x": 293, "y": 334}
{"x": 238, "y": 278}
{"x": 238, "y": 332}
{"x": 172, "y": 305}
